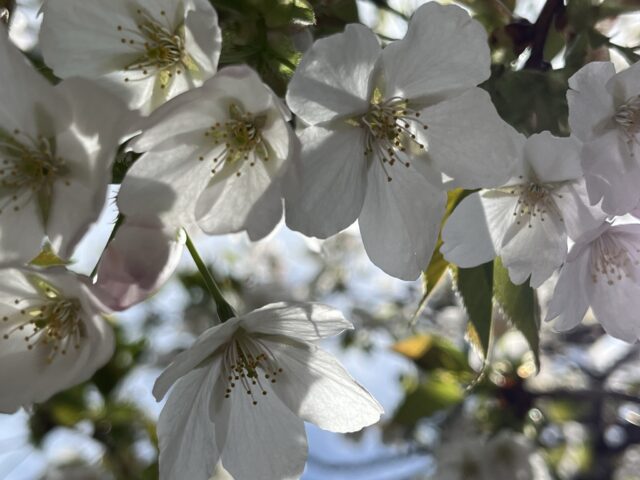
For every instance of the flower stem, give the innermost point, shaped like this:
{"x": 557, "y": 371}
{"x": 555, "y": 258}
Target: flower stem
{"x": 225, "y": 311}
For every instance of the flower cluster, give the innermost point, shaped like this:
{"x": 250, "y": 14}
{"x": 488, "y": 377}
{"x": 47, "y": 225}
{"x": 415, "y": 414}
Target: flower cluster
{"x": 381, "y": 134}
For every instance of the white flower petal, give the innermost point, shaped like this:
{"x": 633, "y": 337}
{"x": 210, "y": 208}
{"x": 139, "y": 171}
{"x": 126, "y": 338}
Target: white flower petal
{"x": 615, "y": 297}
{"x": 591, "y": 107}
{"x": 189, "y": 112}
{"x": 89, "y": 148}
{"x": 319, "y": 390}
{"x": 203, "y": 38}
{"x": 185, "y": 432}
{"x": 203, "y": 348}
{"x": 400, "y": 220}
{"x": 28, "y": 100}
{"x": 171, "y": 180}
{"x": 302, "y": 321}
{"x": 467, "y": 234}
{"x": 265, "y": 440}
{"x": 266, "y": 213}
{"x": 611, "y": 174}
{"x": 72, "y": 49}
{"x": 334, "y": 76}
{"x": 468, "y": 141}
{"x": 553, "y": 159}
{"x": 443, "y": 53}
{"x": 136, "y": 263}
{"x": 570, "y": 299}
{"x": 333, "y": 183}
{"x": 615, "y": 307}
{"x": 578, "y": 216}
{"x": 21, "y": 234}
{"x": 225, "y": 204}
{"x": 534, "y": 248}
{"x": 625, "y": 85}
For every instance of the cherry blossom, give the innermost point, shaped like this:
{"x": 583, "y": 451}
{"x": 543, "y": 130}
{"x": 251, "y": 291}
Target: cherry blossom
{"x": 527, "y": 221}
{"x": 147, "y": 51}
{"x": 602, "y": 272}
{"x": 604, "y": 112}
{"x": 215, "y": 158}
{"x": 53, "y": 335}
{"x": 244, "y": 388}
{"x": 386, "y": 127}
{"x": 56, "y": 156}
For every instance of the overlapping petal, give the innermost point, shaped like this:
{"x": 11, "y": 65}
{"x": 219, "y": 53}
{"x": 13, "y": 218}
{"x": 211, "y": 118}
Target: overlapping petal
{"x": 443, "y": 53}
{"x": 400, "y": 220}
{"x": 333, "y": 182}
{"x": 335, "y": 77}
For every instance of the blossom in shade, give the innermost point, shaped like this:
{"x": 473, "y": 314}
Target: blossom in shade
{"x": 147, "y": 51}
{"x": 55, "y": 157}
{"x": 244, "y": 388}
{"x": 215, "y": 158}
{"x": 384, "y": 128}
{"x": 53, "y": 335}
{"x": 602, "y": 271}
{"x": 528, "y": 220}
{"x": 137, "y": 262}
{"x": 604, "y": 112}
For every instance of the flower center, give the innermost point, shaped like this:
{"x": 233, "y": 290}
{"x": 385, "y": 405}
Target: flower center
{"x": 52, "y": 323}
{"x": 535, "y": 200}
{"x": 249, "y": 365}
{"x": 628, "y": 119}
{"x": 611, "y": 261}
{"x": 238, "y": 140}
{"x": 160, "y": 46}
{"x": 29, "y": 167}
{"x": 389, "y": 132}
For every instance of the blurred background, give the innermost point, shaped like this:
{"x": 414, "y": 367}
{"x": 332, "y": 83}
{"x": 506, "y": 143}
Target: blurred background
{"x": 463, "y": 395}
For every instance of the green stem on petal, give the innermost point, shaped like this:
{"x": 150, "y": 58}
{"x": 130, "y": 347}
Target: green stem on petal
{"x": 225, "y": 311}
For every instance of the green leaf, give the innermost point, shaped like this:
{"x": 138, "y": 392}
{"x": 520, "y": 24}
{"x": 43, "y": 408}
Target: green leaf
{"x": 544, "y": 107}
{"x": 331, "y": 17}
{"x": 431, "y": 352}
{"x": 519, "y": 304}
{"x": 475, "y": 286}
{"x": 442, "y": 390}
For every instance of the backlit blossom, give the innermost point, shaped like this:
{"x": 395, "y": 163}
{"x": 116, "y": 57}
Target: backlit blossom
{"x": 147, "y": 51}
{"x": 604, "y": 112}
{"x": 53, "y": 335}
{"x": 244, "y": 388}
{"x": 385, "y": 126}
{"x": 215, "y": 158}
{"x": 526, "y": 222}
{"x": 55, "y": 157}
{"x": 602, "y": 272}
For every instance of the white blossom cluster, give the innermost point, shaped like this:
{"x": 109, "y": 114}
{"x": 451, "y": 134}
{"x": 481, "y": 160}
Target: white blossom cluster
{"x": 381, "y": 135}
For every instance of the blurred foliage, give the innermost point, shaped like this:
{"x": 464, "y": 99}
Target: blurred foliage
{"x": 271, "y": 35}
